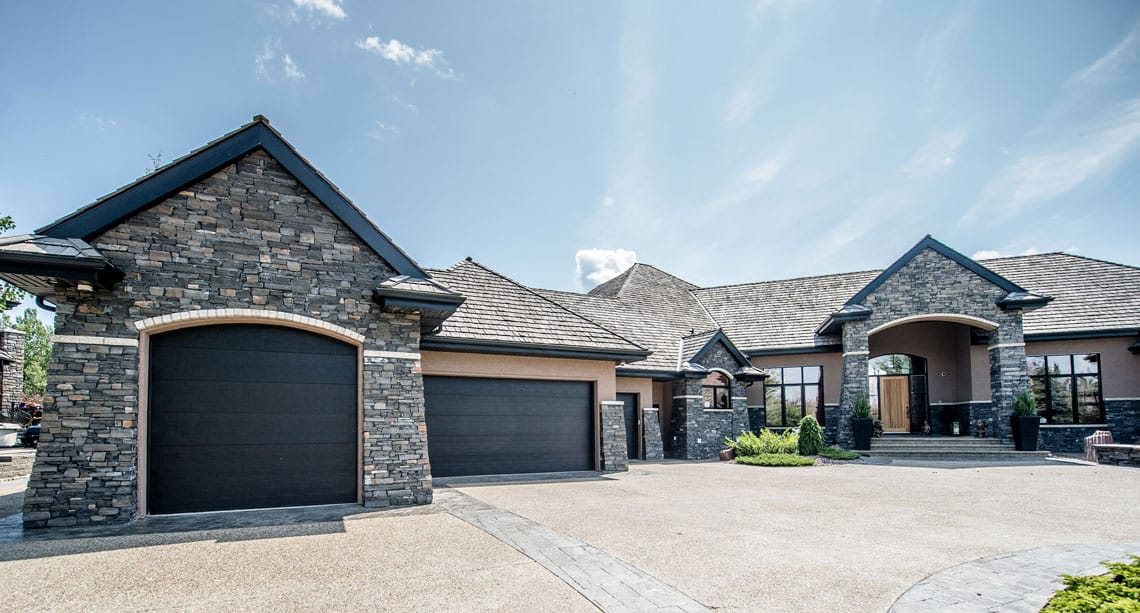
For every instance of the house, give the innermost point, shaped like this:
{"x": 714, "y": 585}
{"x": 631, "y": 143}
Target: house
{"x": 232, "y": 332}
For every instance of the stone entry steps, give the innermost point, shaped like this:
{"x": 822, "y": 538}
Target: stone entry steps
{"x": 948, "y": 448}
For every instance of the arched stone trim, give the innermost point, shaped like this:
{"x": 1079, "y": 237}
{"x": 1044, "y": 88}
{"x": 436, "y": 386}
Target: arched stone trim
{"x": 957, "y": 318}
{"x": 203, "y": 317}
{"x": 727, "y": 375}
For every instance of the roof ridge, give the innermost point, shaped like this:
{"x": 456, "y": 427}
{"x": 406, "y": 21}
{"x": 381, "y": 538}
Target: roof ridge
{"x": 667, "y": 273}
{"x": 549, "y": 301}
{"x": 834, "y": 274}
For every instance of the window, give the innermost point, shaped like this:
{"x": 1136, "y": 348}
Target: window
{"x": 791, "y": 392}
{"x": 716, "y": 392}
{"x": 1067, "y": 388}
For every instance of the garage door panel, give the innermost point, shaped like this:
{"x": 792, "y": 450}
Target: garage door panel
{"x": 501, "y": 426}
{"x": 258, "y": 476}
{"x": 250, "y": 416}
{"x": 298, "y": 399}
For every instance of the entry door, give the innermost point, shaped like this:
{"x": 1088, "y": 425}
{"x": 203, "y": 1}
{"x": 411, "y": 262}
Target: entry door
{"x": 632, "y": 431}
{"x": 894, "y": 403}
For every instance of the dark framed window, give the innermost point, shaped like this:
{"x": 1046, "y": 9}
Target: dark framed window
{"x": 716, "y": 392}
{"x": 1067, "y": 387}
{"x": 790, "y": 393}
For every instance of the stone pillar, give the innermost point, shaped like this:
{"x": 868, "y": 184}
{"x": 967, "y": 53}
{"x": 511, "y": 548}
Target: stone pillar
{"x": 740, "y": 421}
{"x": 686, "y": 400}
{"x": 12, "y": 343}
{"x": 855, "y": 354}
{"x": 652, "y": 442}
{"x": 395, "y": 462}
{"x": 614, "y": 451}
{"x": 1008, "y": 375}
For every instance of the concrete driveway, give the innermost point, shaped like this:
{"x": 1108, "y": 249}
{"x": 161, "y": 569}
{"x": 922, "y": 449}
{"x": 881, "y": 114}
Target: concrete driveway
{"x": 669, "y": 536}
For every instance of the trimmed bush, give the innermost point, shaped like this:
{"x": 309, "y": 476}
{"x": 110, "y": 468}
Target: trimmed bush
{"x": 775, "y": 459}
{"x": 749, "y": 444}
{"x": 834, "y": 453}
{"x": 810, "y": 440}
{"x": 1119, "y": 590}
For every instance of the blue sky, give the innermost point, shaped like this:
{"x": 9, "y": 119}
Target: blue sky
{"x": 722, "y": 141}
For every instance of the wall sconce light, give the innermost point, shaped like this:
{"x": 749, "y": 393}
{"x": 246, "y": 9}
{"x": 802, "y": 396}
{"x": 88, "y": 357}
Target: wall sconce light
{"x": 85, "y": 287}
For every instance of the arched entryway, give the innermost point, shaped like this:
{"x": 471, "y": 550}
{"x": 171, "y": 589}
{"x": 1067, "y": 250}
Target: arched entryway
{"x": 897, "y": 389}
{"x": 242, "y": 415}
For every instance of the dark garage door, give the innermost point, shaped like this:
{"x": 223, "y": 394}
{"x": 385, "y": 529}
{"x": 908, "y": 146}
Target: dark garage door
{"x": 505, "y": 426}
{"x": 250, "y": 416}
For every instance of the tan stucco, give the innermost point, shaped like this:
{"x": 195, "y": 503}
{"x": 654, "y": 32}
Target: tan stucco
{"x": 1120, "y": 369}
{"x": 447, "y": 363}
{"x": 832, "y": 364}
{"x": 946, "y": 347}
{"x": 637, "y": 385}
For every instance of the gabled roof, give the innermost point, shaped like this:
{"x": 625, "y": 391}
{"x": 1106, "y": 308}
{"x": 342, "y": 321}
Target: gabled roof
{"x": 695, "y": 347}
{"x": 99, "y": 216}
{"x": 502, "y": 316}
{"x": 928, "y": 242}
{"x": 37, "y": 263}
{"x": 1090, "y": 296}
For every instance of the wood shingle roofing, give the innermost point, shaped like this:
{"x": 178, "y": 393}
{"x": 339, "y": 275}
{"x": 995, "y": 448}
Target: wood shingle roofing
{"x": 499, "y": 312}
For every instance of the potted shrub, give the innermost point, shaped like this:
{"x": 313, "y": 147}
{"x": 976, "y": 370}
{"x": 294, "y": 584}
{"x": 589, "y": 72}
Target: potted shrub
{"x": 1024, "y": 422}
{"x": 862, "y": 423}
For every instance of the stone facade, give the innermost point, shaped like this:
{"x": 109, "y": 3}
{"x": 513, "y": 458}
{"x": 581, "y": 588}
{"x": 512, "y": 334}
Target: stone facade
{"x": 12, "y": 373}
{"x": 697, "y": 433}
{"x": 1123, "y": 417}
{"x": 614, "y": 451}
{"x": 1124, "y": 455}
{"x": 653, "y": 444}
{"x": 933, "y": 284}
{"x": 1065, "y": 439}
{"x": 248, "y": 236}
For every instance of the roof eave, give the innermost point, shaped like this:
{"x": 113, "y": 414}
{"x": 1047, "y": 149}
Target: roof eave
{"x": 465, "y": 345}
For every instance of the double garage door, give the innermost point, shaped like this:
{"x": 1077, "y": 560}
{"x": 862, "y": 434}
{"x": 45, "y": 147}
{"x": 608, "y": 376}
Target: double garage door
{"x": 257, "y": 416}
{"x": 505, "y": 426}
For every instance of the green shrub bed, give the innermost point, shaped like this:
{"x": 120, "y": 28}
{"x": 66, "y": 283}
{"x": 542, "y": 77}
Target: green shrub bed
{"x": 835, "y": 453}
{"x": 775, "y": 459}
{"x": 1117, "y": 591}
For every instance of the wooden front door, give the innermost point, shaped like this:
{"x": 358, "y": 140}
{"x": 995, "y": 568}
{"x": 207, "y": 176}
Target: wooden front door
{"x": 894, "y": 403}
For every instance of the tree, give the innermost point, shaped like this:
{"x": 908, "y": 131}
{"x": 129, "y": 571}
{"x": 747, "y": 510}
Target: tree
{"x": 10, "y": 296}
{"x": 37, "y": 353}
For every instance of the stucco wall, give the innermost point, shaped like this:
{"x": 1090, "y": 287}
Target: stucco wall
{"x": 1120, "y": 368}
{"x": 637, "y": 385}
{"x": 946, "y": 347}
{"x": 453, "y": 364}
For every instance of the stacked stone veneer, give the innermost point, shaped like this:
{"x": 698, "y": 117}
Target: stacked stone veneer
{"x": 1123, "y": 417}
{"x": 932, "y": 283}
{"x": 697, "y": 433}
{"x": 653, "y": 444}
{"x": 247, "y": 237}
{"x": 12, "y": 341}
{"x": 614, "y": 450}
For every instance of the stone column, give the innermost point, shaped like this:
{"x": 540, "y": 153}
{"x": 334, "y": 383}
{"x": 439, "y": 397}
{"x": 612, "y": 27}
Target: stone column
{"x": 1008, "y": 376}
{"x": 855, "y": 354}
{"x": 615, "y": 456}
{"x": 12, "y": 342}
{"x": 651, "y": 433}
{"x": 740, "y": 422}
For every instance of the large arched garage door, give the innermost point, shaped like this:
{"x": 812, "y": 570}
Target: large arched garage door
{"x": 507, "y": 426}
{"x": 250, "y": 416}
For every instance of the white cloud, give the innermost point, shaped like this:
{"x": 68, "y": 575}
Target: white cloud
{"x": 989, "y": 254}
{"x": 596, "y": 266}
{"x": 291, "y": 70}
{"x": 329, "y": 8}
{"x": 939, "y": 153}
{"x": 400, "y": 54}
{"x": 1086, "y": 151}
{"x": 98, "y": 122}
{"x": 382, "y": 130}
{"x": 608, "y": 201}
{"x": 271, "y": 64}
{"x": 407, "y": 106}
{"x": 1112, "y": 64}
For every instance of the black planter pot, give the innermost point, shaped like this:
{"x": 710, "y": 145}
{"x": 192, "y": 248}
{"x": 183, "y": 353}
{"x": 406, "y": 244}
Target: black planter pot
{"x": 1025, "y": 429}
{"x": 863, "y": 427}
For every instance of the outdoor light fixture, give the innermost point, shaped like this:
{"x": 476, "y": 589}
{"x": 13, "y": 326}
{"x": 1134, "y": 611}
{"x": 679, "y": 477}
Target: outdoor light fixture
{"x": 84, "y": 286}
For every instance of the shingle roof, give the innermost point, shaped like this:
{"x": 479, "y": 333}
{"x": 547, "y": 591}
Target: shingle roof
{"x": 693, "y": 343}
{"x": 499, "y": 310}
{"x": 1087, "y": 294}
{"x": 647, "y": 305}
{"x": 781, "y": 314}
{"x": 39, "y": 245}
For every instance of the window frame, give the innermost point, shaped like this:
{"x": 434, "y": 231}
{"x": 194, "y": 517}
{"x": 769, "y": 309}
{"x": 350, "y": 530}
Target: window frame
{"x": 802, "y": 385}
{"x": 1047, "y": 411}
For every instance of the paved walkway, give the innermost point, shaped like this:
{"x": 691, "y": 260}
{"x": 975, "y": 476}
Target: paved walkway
{"x": 609, "y": 583}
{"x": 1021, "y": 581}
